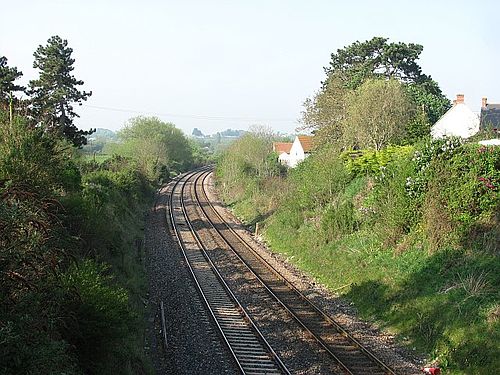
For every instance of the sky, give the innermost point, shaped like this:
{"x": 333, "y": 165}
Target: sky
{"x": 219, "y": 64}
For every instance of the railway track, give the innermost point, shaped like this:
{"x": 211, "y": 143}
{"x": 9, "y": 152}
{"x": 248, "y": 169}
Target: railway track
{"x": 344, "y": 348}
{"x": 250, "y": 350}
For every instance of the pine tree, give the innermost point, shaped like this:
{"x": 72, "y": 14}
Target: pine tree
{"x": 7, "y": 77}
{"x": 56, "y": 90}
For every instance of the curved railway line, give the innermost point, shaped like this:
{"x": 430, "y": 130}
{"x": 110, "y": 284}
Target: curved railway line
{"x": 249, "y": 348}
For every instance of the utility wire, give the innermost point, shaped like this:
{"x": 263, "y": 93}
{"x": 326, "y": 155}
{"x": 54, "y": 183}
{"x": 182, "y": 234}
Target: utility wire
{"x": 198, "y": 117}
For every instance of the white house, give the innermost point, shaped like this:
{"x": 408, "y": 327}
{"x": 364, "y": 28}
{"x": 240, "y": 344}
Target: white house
{"x": 283, "y": 151}
{"x": 458, "y": 121}
{"x": 301, "y": 149}
{"x": 490, "y": 142}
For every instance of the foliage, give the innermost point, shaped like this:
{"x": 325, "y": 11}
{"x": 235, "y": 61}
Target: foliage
{"x": 428, "y": 97}
{"x": 326, "y": 112}
{"x": 102, "y": 318}
{"x": 201, "y": 155}
{"x": 232, "y": 133}
{"x": 377, "y": 114}
{"x": 197, "y": 133}
{"x": 57, "y": 316}
{"x": 377, "y": 58}
{"x": 32, "y": 170}
{"x": 247, "y": 168}
{"x": 430, "y": 151}
{"x": 159, "y": 147}
{"x": 371, "y": 162}
{"x": 8, "y": 76}
{"x": 353, "y": 65}
{"x": 56, "y": 89}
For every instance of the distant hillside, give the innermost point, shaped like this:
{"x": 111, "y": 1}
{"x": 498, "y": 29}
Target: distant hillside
{"x": 228, "y": 133}
{"x": 232, "y": 133}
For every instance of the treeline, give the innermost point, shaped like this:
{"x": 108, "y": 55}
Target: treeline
{"x": 404, "y": 226}
{"x": 72, "y": 280}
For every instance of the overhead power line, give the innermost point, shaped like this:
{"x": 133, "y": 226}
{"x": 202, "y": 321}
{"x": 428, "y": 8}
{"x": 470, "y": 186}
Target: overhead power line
{"x": 192, "y": 116}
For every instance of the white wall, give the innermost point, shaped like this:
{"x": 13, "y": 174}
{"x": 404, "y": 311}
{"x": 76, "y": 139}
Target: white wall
{"x": 296, "y": 153}
{"x": 283, "y": 158}
{"x": 458, "y": 121}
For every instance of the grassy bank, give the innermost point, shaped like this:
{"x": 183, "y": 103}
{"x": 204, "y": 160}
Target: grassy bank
{"x": 409, "y": 234}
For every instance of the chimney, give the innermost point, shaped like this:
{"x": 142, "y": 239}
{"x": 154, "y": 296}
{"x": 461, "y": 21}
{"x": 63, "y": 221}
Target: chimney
{"x": 460, "y": 99}
{"x": 484, "y": 102}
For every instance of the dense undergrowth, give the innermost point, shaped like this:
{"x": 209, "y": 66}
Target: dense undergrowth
{"x": 71, "y": 257}
{"x": 410, "y": 234}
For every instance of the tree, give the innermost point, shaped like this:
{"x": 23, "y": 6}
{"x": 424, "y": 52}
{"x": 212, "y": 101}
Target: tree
{"x": 8, "y": 75}
{"x": 56, "y": 90}
{"x": 197, "y": 133}
{"x": 377, "y": 58}
{"x": 158, "y": 146}
{"x": 378, "y": 113}
{"x": 352, "y": 65}
{"x": 325, "y": 112}
{"x": 247, "y": 162}
{"x": 429, "y": 97}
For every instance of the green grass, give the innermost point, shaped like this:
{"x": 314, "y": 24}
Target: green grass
{"x": 98, "y": 158}
{"x": 444, "y": 304}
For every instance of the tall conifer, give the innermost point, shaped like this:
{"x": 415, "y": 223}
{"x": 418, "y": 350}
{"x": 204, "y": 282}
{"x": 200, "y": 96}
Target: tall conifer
{"x": 56, "y": 90}
{"x": 8, "y": 76}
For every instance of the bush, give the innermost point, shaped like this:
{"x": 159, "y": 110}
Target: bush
{"x": 30, "y": 334}
{"x": 102, "y": 321}
{"x": 372, "y": 162}
{"x": 249, "y": 177}
{"x": 58, "y": 316}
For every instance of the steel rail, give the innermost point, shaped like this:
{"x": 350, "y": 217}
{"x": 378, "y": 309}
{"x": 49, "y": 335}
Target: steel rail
{"x": 367, "y": 353}
{"x": 261, "y": 337}
{"x": 248, "y": 347}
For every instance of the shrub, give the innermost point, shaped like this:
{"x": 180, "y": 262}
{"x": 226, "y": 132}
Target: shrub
{"x": 101, "y": 321}
{"x": 56, "y": 319}
{"x": 371, "y": 162}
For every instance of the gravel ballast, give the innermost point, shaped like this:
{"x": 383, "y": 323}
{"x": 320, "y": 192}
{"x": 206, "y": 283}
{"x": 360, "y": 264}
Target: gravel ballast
{"x": 193, "y": 345}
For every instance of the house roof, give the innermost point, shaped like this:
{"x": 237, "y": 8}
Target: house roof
{"x": 490, "y": 116}
{"x": 306, "y": 141}
{"x": 459, "y": 120}
{"x": 281, "y": 147}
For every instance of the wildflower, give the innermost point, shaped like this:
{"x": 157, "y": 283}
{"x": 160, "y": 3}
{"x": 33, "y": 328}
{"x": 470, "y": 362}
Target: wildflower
{"x": 487, "y": 182}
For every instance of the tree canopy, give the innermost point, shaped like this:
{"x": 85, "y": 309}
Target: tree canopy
{"x": 8, "y": 76}
{"x": 377, "y": 58}
{"x": 353, "y": 65}
{"x": 377, "y": 114}
{"x": 158, "y": 146}
{"x": 325, "y": 112}
{"x": 56, "y": 90}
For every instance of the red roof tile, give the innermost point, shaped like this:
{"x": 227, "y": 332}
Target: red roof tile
{"x": 306, "y": 141}
{"x": 281, "y": 147}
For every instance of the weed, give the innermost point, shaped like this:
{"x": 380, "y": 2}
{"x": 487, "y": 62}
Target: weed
{"x": 493, "y": 314}
{"x": 474, "y": 284}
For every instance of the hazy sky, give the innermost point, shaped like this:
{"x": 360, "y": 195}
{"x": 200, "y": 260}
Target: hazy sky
{"x": 230, "y": 64}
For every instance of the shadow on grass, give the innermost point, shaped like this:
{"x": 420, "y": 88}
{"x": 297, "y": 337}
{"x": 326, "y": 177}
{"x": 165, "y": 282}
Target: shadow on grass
{"x": 440, "y": 308}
